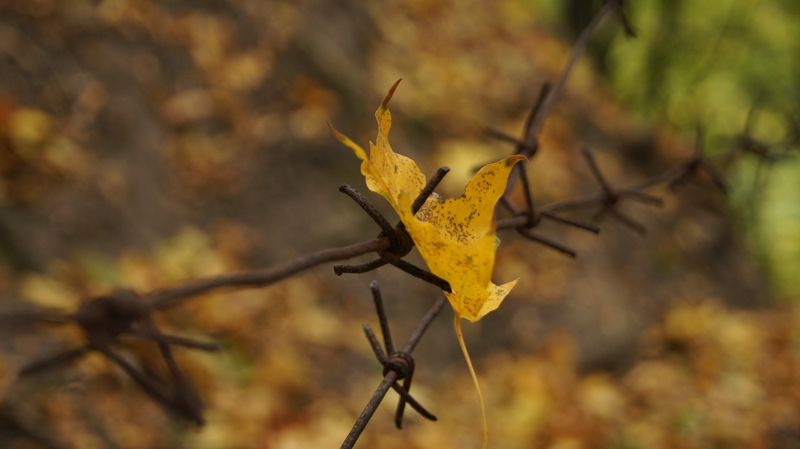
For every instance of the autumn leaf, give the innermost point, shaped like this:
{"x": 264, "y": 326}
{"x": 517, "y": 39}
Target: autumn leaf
{"x": 456, "y": 237}
{"x": 387, "y": 172}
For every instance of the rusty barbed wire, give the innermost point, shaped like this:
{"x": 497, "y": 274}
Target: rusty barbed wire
{"x": 406, "y": 244}
{"x": 548, "y": 96}
{"x": 400, "y": 242}
{"x": 126, "y": 313}
{"x": 392, "y": 374}
{"x": 398, "y": 361}
{"x": 106, "y": 319}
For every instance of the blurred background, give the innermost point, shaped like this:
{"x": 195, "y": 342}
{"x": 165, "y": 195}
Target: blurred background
{"x": 144, "y": 143}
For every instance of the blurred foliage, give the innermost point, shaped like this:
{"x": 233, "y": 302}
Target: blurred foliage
{"x": 709, "y": 64}
{"x": 232, "y": 88}
{"x": 708, "y": 377}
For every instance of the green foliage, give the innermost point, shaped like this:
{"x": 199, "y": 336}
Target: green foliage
{"x": 708, "y": 64}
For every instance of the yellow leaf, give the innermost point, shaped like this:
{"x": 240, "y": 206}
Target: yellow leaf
{"x": 386, "y": 172}
{"x": 29, "y": 128}
{"x": 456, "y": 237}
{"x": 48, "y": 292}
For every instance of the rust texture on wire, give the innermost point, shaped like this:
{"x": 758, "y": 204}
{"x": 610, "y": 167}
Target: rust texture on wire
{"x": 108, "y": 319}
{"x": 397, "y": 365}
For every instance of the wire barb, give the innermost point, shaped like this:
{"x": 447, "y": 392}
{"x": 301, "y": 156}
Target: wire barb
{"x": 610, "y": 197}
{"x": 547, "y": 242}
{"x": 398, "y": 365}
{"x": 416, "y": 271}
{"x": 104, "y": 320}
{"x": 377, "y": 217}
{"x": 427, "y": 191}
{"x": 530, "y": 217}
{"x": 390, "y": 378}
{"x": 376, "y": 298}
{"x": 401, "y": 241}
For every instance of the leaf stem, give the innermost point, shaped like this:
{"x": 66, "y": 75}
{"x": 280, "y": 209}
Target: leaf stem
{"x": 474, "y": 380}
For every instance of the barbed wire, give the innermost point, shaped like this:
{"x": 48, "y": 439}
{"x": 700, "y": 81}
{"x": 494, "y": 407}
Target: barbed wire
{"x": 107, "y": 319}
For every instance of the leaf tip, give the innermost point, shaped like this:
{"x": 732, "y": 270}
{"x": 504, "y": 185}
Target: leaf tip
{"x": 336, "y": 133}
{"x": 511, "y": 160}
{"x": 385, "y": 102}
